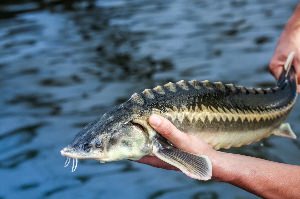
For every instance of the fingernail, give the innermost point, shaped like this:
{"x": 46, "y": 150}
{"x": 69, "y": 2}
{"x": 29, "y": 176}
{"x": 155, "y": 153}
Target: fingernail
{"x": 154, "y": 120}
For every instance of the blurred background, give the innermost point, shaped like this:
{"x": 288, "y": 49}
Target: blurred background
{"x": 64, "y": 63}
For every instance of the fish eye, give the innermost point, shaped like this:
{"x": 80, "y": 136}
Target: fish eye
{"x": 87, "y": 147}
{"x": 98, "y": 145}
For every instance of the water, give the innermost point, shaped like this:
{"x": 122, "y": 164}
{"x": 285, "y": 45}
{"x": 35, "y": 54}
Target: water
{"x": 64, "y": 64}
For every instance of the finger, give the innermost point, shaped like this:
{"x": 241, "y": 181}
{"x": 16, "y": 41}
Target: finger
{"x": 155, "y": 162}
{"x": 169, "y": 131}
{"x": 276, "y": 68}
{"x": 277, "y": 62}
{"x": 276, "y": 71}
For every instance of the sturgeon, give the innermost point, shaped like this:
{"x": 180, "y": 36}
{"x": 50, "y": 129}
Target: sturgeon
{"x": 223, "y": 115}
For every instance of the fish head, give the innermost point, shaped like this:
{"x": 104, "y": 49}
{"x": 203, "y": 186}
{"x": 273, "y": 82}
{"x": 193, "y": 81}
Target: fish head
{"x": 110, "y": 139}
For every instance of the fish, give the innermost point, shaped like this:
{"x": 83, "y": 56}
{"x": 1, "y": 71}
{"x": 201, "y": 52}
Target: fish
{"x": 223, "y": 115}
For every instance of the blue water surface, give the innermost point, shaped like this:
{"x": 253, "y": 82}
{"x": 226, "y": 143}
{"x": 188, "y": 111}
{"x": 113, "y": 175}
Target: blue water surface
{"x": 64, "y": 63}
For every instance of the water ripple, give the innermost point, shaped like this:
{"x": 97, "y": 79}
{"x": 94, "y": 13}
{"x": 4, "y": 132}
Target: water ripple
{"x": 64, "y": 63}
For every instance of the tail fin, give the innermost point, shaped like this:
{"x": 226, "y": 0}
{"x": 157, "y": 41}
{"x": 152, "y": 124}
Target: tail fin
{"x": 288, "y": 74}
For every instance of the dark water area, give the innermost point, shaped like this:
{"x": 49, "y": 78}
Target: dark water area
{"x": 63, "y": 64}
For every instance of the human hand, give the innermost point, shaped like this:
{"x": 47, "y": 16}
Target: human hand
{"x": 252, "y": 174}
{"x": 186, "y": 142}
{"x": 289, "y": 41}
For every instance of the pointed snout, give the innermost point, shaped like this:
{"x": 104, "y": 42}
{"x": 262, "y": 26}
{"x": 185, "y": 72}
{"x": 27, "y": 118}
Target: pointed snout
{"x": 71, "y": 153}
{"x": 67, "y": 151}
{"x": 77, "y": 154}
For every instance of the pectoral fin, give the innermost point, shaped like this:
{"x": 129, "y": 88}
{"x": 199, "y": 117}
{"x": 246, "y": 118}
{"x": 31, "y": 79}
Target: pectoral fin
{"x": 197, "y": 167}
{"x": 285, "y": 130}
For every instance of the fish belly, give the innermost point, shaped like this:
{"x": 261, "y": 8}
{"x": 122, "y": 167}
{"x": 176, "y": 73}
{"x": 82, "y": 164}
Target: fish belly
{"x": 230, "y": 128}
{"x": 234, "y": 138}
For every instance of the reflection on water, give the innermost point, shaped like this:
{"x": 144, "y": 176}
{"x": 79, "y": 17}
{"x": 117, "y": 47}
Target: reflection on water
{"x": 63, "y": 64}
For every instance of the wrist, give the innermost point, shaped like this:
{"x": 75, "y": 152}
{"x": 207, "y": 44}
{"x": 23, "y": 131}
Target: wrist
{"x": 217, "y": 168}
{"x": 222, "y": 167}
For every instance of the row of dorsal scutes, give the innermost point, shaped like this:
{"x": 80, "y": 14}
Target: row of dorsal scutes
{"x": 210, "y": 113}
{"x": 173, "y": 87}
{"x": 186, "y": 85}
{"x": 149, "y": 93}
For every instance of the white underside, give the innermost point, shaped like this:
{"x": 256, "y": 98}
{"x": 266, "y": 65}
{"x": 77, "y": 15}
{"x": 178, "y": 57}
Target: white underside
{"x": 232, "y": 139}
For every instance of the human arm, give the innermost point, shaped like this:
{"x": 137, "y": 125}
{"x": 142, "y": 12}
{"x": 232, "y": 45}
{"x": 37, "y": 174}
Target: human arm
{"x": 289, "y": 41}
{"x": 261, "y": 177}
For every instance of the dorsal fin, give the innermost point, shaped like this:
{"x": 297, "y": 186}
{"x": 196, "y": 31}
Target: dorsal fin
{"x": 288, "y": 63}
{"x": 288, "y": 73}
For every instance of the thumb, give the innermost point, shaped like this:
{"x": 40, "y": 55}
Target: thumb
{"x": 169, "y": 131}
{"x": 276, "y": 67}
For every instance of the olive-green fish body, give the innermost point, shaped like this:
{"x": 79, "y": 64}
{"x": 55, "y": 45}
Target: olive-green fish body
{"x": 223, "y": 115}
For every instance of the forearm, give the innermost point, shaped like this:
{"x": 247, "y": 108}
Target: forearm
{"x": 261, "y": 177}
